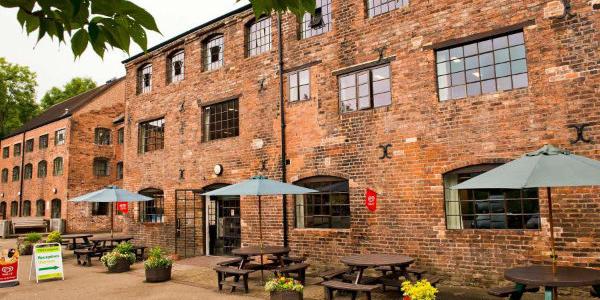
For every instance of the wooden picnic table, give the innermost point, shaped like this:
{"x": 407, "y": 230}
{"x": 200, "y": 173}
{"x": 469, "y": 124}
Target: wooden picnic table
{"x": 397, "y": 263}
{"x": 246, "y": 252}
{"x": 543, "y": 276}
{"x": 102, "y": 241}
{"x": 73, "y": 237}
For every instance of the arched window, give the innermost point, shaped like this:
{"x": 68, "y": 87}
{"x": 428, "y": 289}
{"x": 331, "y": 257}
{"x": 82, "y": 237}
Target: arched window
{"x": 317, "y": 23}
{"x": 16, "y": 174}
{"x": 329, "y": 208}
{"x": 488, "y": 208}
{"x": 58, "y": 166}
{"x": 42, "y": 170}
{"x": 258, "y": 36}
{"x": 3, "y": 210}
{"x": 152, "y": 211}
{"x": 378, "y": 7}
{"x": 101, "y": 167}
{"x": 40, "y": 208}
{"x": 4, "y": 175}
{"x": 26, "y": 208}
{"x": 55, "y": 208}
{"x": 213, "y": 48}
{"x": 144, "y": 79}
{"x": 175, "y": 66}
{"x": 102, "y": 136}
{"x": 14, "y": 208}
{"x": 28, "y": 171}
{"x": 120, "y": 170}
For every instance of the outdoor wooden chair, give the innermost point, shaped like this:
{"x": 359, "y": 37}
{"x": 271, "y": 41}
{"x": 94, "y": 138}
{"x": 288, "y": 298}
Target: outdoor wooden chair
{"x": 225, "y": 272}
{"x": 508, "y": 291}
{"x": 335, "y": 285}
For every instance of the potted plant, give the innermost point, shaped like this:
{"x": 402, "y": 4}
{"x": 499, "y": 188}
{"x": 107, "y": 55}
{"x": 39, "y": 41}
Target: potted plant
{"x": 284, "y": 289}
{"x": 120, "y": 259}
{"x": 421, "y": 290}
{"x": 26, "y": 247}
{"x": 54, "y": 237}
{"x": 158, "y": 266}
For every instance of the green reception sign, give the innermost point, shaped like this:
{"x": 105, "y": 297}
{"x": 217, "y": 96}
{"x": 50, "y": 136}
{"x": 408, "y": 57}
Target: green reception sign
{"x": 47, "y": 262}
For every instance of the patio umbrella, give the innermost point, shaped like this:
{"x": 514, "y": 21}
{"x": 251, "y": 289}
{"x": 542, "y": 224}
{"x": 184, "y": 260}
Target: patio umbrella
{"x": 111, "y": 194}
{"x": 545, "y": 168}
{"x": 260, "y": 186}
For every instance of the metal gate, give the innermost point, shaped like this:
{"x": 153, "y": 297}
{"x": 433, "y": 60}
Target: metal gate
{"x": 189, "y": 227}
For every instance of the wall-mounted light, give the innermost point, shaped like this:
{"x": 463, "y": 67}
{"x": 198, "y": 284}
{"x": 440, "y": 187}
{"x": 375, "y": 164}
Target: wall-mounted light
{"x": 54, "y": 190}
{"x": 218, "y": 169}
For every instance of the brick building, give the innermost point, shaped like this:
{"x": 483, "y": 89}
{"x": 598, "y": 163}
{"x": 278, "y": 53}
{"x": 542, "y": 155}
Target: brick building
{"x": 403, "y": 98}
{"x": 72, "y": 148}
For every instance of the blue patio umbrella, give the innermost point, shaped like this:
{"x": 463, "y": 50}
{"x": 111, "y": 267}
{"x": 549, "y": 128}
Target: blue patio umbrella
{"x": 111, "y": 194}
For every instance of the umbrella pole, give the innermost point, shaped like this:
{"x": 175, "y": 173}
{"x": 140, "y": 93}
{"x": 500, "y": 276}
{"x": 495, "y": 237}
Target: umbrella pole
{"x": 551, "y": 221}
{"x": 112, "y": 218}
{"x": 262, "y": 276}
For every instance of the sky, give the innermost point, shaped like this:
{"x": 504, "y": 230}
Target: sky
{"x": 55, "y": 65}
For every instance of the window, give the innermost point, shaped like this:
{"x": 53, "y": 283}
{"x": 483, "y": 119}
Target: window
{"x": 14, "y": 208}
{"x": 55, "y": 209}
{"x": 29, "y": 145}
{"x": 3, "y": 210}
{"x": 151, "y": 135}
{"x": 4, "y": 175}
{"x": 221, "y": 120}
{"x": 40, "y": 208}
{"x": 43, "y": 142}
{"x": 152, "y": 211}
{"x": 5, "y": 152}
{"x": 484, "y": 67}
{"x": 175, "y": 66}
{"x": 101, "y": 167}
{"x": 99, "y": 208}
{"x": 299, "y": 83}
{"x": 26, "y": 208}
{"x": 121, "y": 136}
{"x": 378, "y": 7}
{"x": 28, "y": 171}
{"x": 102, "y": 136}
{"x": 42, "y": 170}
{"x": 16, "y": 174}
{"x": 259, "y": 37}
{"x": 144, "y": 80}
{"x": 318, "y": 23}
{"x": 58, "y": 166}
{"x": 120, "y": 170}
{"x": 365, "y": 89}
{"x": 329, "y": 208}
{"x": 488, "y": 208}
{"x": 60, "y": 137}
{"x": 214, "y": 53}
{"x": 17, "y": 150}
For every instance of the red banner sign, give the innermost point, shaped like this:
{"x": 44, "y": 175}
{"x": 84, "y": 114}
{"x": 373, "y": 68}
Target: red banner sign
{"x": 123, "y": 207}
{"x": 371, "y": 200}
{"x": 9, "y": 265}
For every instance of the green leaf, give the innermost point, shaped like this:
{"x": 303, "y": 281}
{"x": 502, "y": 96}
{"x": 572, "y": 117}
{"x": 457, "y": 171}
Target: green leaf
{"x": 33, "y": 23}
{"x": 21, "y": 16}
{"x": 79, "y": 42}
{"x": 138, "y": 35}
{"x": 140, "y": 15}
{"x": 25, "y": 4}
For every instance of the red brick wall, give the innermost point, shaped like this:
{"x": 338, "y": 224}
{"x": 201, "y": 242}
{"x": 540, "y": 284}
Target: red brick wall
{"x": 429, "y": 137}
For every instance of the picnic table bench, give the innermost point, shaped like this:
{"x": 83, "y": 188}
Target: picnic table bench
{"x": 595, "y": 292}
{"x": 296, "y": 271}
{"x": 336, "y": 285}
{"x": 28, "y": 223}
{"x": 334, "y": 274}
{"x": 509, "y": 291}
{"x": 224, "y": 272}
{"x": 84, "y": 256}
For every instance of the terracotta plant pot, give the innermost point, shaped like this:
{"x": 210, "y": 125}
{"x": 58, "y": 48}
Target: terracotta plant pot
{"x": 121, "y": 266}
{"x": 158, "y": 274}
{"x": 406, "y": 298}
{"x": 286, "y": 296}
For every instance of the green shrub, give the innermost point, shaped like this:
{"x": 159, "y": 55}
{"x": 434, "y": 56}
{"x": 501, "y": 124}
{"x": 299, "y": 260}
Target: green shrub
{"x": 121, "y": 251}
{"x": 54, "y": 237}
{"x": 157, "y": 259}
{"x": 421, "y": 290}
{"x": 33, "y": 237}
{"x": 124, "y": 248}
{"x": 282, "y": 284}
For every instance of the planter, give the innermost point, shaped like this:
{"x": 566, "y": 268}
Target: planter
{"x": 25, "y": 249}
{"x": 406, "y": 298}
{"x": 286, "y": 296}
{"x": 158, "y": 274}
{"x": 121, "y": 266}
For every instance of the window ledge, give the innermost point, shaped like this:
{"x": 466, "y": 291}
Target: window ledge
{"x": 332, "y": 230}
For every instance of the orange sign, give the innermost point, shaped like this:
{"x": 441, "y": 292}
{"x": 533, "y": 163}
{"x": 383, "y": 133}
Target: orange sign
{"x": 123, "y": 207}
{"x": 371, "y": 200}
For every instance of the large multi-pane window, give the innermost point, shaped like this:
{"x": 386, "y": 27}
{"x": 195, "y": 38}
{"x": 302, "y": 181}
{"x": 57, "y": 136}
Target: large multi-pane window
{"x": 43, "y": 141}
{"x": 26, "y": 208}
{"x": 58, "y": 166}
{"x": 28, "y": 171}
{"x": 29, "y": 145}
{"x": 60, "y": 136}
{"x": 16, "y": 174}
{"x": 5, "y": 152}
{"x": 151, "y": 135}
{"x": 259, "y": 36}
{"x": 55, "y": 208}
{"x": 377, "y": 7}
{"x": 221, "y": 120}
{"x": 482, "y": 67}
{"x": 102, "y": 136}
{"x": 99, "y": 208}
{"x": 4, "y": 175}
{"x": 365, "y": 89}
{"x": 101, "y": 167}
{"x": 152, "y": 211}
{"x": 3, "y": 210}
{"x": 214, "y": 52}
{"x": 17, "y": 150}
{"x": 144, "y": 79}
{"x": 42, "y": 169}
{"x": 317, "y": 23}
{"x": 121, "y": 136}
{"x": 488, "y": 208}
{"x": 299, "y": 83}
{"x": 14, "y": 208}
{"x": 328, "y": 208}
{"x": 175, "y": 66}
{"x": 40, "y": 208}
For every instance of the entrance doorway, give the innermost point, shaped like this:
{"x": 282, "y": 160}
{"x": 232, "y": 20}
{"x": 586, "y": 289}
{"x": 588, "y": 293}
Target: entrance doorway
{"x": 223, "y": 230}
{"x": 188, "y": 226}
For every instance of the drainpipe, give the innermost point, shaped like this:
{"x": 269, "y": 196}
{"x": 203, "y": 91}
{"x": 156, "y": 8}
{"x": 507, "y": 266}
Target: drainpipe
{"x": 21, "y": 177}
{"x": 282, "y": 114}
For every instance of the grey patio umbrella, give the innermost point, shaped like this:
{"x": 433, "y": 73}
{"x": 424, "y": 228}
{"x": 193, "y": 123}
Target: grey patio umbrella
{"x": 545, "y": 168}
{"x": 260, "y": 186}
{"x": 111, "y": 194}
